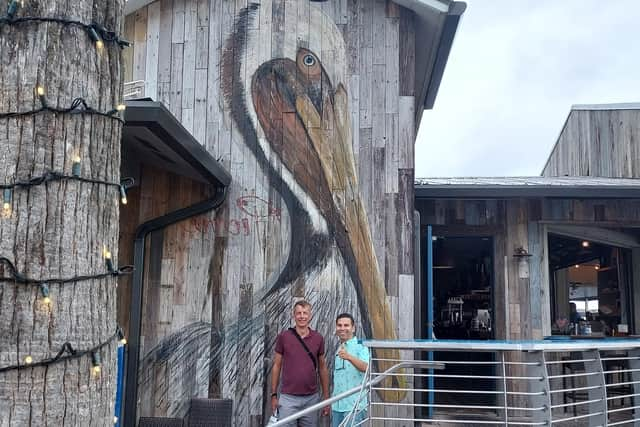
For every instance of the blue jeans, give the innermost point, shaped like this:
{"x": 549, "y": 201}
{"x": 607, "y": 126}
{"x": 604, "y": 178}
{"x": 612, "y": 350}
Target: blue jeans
{"x": 338, "y": 417}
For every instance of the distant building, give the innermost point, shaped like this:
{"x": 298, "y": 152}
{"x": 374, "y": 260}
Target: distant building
{"x": 528, "y": 257}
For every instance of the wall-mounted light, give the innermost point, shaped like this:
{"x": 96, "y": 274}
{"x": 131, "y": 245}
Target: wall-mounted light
{"x": 521, "y": 252}
{"x": 585, "y": 244}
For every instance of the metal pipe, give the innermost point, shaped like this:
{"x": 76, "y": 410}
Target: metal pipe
{"x": 135, "y": 322}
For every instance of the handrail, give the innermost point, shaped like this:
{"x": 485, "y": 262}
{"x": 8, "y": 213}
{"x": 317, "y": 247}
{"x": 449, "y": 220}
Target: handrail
{"x": 491, "y": 345}
{"x": 378, "y": 379}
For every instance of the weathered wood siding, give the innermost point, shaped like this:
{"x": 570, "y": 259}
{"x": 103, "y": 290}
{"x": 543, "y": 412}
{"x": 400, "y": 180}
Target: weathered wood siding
{"x": 598, "y": 143}
{"x": 200, "y": 59}
{"x": 176, "y": 305}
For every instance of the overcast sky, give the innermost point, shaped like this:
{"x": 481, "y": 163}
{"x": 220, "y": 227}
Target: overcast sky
{"x": 514, "y": 71}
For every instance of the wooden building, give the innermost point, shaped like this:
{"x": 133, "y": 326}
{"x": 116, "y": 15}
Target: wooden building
{"x": 541, "y": 253}
{"x": 312, "y": 107}
{"x": 520, "y": 258}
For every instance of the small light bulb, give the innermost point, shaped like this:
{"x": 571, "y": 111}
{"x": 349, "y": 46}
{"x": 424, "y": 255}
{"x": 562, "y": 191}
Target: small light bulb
{"x": 43, "y": 99}
{"x": 99, "y": 44}
{"x": 28, "y": 360}
{"x": 123, "y": 195}
{"x": 13, "y": 7}
{"x": 95, "y": 363}
{"x": 123, "y": 341}
{"x": 6, "y": 202}
{"x": 75, "y": 166}
{"x": 597, "y": 267}
{"x": 107, "y": 257}
{"x": 585, "y": 244}
{"x": 115, "y": 420}
{"x": 44, "y": 290}
{"x": 121, "y": 107}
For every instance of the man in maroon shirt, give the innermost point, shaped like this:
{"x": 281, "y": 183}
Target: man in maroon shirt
{"x": 299, "y": 365}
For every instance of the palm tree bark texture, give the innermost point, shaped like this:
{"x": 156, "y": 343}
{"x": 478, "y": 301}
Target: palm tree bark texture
{"x": 59, "y": 229}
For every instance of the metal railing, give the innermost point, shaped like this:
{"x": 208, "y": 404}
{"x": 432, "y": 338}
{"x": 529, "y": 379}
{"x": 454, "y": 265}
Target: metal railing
{"x": 365, "y": 386}
{"x": 518, "y": 383}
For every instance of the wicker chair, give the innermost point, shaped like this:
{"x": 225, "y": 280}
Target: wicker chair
{"x": 160, "y": 422}
{"x": 209, "y": 413}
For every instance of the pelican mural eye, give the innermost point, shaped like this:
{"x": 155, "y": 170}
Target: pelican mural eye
{"x": 309, "y": 60}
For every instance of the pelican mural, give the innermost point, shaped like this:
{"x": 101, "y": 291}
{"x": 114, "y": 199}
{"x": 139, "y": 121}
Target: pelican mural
{"x": 293, "y": 115}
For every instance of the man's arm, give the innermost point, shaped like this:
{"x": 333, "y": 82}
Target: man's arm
{"x": 275, "y": 380}
{"x": 360, "y": 365}
{"x": 324, "y": 376}
{"x": 324, "y": 383}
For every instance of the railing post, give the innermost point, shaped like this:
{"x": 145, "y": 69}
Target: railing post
{"x": 598, "y": 394}
{"x": 541, "y": 386}
{"x": 505, "y": 401}
{"x": 634, "y": 366}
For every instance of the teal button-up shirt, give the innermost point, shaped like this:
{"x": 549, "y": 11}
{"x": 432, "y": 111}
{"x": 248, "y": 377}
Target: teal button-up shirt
{"x": 346, "y": 377}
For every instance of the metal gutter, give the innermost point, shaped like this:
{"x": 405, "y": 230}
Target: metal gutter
{"x": 129, "y": 414}
{"x": 477, "y": 192}
{"x": 449, "y": 29}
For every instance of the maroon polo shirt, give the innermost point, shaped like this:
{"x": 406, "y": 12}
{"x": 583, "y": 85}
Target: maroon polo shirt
{"x": 298, "y": 375}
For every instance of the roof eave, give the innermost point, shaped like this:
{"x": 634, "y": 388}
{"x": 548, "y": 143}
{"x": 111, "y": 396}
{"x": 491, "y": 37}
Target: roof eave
{"x": 155, "y": 117}
{"x": 132, "y": 5}
{"x": 477, "y": 192}
{"x": 436, "y": 25}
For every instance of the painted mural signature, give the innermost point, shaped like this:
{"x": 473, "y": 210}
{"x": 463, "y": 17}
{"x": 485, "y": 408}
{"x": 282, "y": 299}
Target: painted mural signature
{"x": 256, "y": 209}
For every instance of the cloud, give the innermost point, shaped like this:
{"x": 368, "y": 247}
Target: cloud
{"x": 514, "y": 71}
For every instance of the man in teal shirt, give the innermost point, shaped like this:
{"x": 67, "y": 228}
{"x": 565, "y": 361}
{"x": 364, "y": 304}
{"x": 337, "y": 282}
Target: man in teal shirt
{"x": 350, "y": 365}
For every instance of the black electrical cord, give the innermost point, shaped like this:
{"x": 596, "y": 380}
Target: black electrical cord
{"x": 18, "y": 277}
{"x": 97, "y": 32}
{"x": 58, "y": 176}
{"x": 78, "y": 106}
{"x": 67, "y": 352}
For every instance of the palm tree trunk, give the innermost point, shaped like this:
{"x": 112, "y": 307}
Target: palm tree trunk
{"x": 59, "y": 229}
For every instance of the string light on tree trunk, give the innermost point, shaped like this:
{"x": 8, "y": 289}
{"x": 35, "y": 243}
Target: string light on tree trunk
{"x": 106, "y": 253}
{"x": 97, "y": 33}
{"x": 44, "y": 291}
{"x": 75, "y": 166}
{"x": 123, "y": 340}
{"x": 95, "y": 363}
{"x": 41, "y": 94}
{"x": 50, "y": 176}
{"x": 7, "y": 195}
{"x": 12, "y": 8}
{"x": 67, "y": 352}
{"x": 78, "y": 106}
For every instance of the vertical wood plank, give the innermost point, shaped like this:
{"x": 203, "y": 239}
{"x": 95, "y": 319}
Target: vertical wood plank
{"x": 140, "y": 44}
{"x": 152, "y": 54}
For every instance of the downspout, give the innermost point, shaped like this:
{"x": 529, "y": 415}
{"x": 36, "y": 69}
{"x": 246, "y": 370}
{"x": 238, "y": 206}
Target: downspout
{"x": 129, "y": 414}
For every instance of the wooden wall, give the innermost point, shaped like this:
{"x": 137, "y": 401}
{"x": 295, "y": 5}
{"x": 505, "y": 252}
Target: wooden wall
{"x": 597, "y": 143}
{"x": 176, "y": 306}
{"x": 316, "y": 201}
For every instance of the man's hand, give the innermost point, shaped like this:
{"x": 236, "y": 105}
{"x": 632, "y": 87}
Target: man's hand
{"x": 326, "y": 411}
{"x": 274, "y": 404}
{"x": 344, "y": 354}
